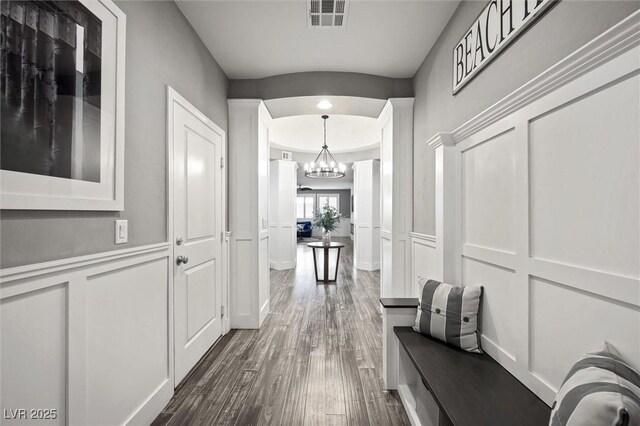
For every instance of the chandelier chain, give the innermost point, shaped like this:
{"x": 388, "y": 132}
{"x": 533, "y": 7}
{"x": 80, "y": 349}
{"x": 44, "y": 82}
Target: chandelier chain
{"x": 325, "y": 165}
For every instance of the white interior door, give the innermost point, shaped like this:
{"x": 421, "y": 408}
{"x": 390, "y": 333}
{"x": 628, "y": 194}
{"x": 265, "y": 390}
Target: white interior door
{"x": 197, "y": 234}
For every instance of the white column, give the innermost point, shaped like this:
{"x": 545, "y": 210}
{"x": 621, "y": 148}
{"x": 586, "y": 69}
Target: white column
{"x": 282, "y": 215}
{"x": 396, "y": 188}
{"x": 249, "y": 124}
{"x": 447, "y": 215}
{"x": 366, "y": 200}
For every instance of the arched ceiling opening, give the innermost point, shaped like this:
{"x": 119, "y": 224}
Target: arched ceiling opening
{"x": 305, "y": 133}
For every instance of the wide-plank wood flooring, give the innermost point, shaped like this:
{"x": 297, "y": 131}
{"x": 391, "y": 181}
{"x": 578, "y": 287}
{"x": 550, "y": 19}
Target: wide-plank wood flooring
{"x": 317, "y": 359}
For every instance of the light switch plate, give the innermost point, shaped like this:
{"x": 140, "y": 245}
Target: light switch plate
{"x": 122, "y": 231}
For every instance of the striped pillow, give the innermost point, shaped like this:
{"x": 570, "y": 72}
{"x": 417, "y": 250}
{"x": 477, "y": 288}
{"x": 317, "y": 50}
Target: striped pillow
{"x": 450, "y": 314}
{"x": 600, "y": 389}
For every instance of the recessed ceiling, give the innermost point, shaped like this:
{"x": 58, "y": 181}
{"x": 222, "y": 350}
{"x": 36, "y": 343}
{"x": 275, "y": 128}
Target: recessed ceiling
{"x": 257, "y": 39}
{"x": 341, "y": 105}
{"x": 304, "y": 133}
{"x": 345, "y": 182}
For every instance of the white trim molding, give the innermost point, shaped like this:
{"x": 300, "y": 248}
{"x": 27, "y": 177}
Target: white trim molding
{"x": 440, "y": 139}
{"x": 36, "y": 270}
{"x": 426, "y": 239}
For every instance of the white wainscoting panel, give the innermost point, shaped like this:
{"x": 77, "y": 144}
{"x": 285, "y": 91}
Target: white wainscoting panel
{"x": 263, "y": 276}
{"x": 584, "y": 180}
{"x": 488, "y": 200}
{"x": 127, "y": 339}
{"x": 578, "y": 320}
{"x": 366, "y": 200}
{"x": 556, "y": 198}
{"x": 423, "y": 259}
{"x": 89, "y": 336}
{"x": 282, "y": 215}
{"x": 34, "y": 337}
{"x": 548, "y": 211}
{"x": 241, "y": 294}
{"x": 498, "y": 315}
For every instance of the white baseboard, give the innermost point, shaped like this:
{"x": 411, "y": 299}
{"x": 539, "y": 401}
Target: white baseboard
{"x": 281, "y": 266}
{"x": 366, "y": 266}
{"x": 264, "y": 311}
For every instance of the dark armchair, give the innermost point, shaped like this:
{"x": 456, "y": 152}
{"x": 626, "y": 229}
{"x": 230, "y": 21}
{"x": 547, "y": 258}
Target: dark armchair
{"x": 304, "y": 228}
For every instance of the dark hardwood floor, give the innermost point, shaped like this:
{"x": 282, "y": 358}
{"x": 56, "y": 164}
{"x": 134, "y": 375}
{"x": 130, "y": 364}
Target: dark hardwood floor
{"x": 317, "y": 359}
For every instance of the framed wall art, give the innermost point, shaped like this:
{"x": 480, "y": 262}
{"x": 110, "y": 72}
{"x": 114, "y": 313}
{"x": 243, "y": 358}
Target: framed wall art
{"x": 62, "y": 80}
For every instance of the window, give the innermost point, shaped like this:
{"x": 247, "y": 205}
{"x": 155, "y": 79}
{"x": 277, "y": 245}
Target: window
{"x": 332, "y": 199}
{"x": 305, "y": 205}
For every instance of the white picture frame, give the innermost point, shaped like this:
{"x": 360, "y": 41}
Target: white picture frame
{"x": 26, "y": 191}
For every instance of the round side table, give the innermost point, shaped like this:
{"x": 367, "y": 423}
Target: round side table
{"x": 326, "y": 248}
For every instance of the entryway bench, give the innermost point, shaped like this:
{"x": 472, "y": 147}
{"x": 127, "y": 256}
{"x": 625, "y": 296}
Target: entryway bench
{"x": 442, "y": 385}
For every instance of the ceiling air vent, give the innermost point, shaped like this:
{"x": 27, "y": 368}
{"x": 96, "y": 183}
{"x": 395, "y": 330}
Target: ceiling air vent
{"x": 327, "y": 13}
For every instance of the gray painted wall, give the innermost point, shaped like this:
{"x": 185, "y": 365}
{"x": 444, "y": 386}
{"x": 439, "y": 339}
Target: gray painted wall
{"x": 565, "y": 28}
{"x": 322, "y": 83}
{"x": 162, "y": 48}
{"x": 345, "y": 198}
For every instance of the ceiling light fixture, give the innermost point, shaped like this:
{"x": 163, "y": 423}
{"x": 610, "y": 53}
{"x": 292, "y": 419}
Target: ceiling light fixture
{"x": 325, "y": 165}
{"x": 324, "y": 104}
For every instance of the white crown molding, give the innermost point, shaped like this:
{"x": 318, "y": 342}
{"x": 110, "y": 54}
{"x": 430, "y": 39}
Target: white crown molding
{"x": 440, "y": 139}
{"x": 44, "y": 268}
{"x": 613, "y": 42}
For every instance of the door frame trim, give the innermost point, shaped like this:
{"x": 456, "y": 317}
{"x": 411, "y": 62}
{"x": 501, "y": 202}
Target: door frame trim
{"x": 174, "y": 97}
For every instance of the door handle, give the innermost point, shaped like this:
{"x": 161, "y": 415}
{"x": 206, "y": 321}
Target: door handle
{"x": 182, "y": 259}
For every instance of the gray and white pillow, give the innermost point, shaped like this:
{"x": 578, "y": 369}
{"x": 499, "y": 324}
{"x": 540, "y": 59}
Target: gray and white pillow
{"x": 449, "y": 313}
{"x": 600, "y": 389}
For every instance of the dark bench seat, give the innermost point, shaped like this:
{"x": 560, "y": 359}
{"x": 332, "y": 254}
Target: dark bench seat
{"x": 471, "y": 389}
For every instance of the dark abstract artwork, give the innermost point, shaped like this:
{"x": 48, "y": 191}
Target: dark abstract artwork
{"x": 50, "y": 78}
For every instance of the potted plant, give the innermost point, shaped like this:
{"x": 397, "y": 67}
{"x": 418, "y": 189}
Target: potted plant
{"x": 326, "y": 219}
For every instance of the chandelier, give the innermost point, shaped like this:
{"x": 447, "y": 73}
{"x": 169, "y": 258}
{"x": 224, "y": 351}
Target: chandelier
{"x": 325, "y": 166}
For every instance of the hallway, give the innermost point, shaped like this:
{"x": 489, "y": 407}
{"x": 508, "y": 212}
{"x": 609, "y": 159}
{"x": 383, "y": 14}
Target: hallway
{"x": 317, "y": 359}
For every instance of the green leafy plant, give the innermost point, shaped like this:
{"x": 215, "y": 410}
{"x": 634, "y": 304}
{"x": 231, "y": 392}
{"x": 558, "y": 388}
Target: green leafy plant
{"x": 326, "y": 218}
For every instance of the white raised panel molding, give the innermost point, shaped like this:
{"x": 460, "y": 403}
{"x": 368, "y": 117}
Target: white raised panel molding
{"x": 424, "y": 260}
{"x": 366, "y": 198}
{"x": 396, "y": 182}
{"x": 249, "y": 124}
{"x": 343, "y": 229}
{"x": 560, "y": 273}
{"x": 282, "y": 215}
{"x": 89, "y": 336}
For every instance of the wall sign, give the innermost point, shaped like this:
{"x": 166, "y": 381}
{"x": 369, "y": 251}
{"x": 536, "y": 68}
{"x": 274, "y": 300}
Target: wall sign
{"x": 499, "y": 23}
